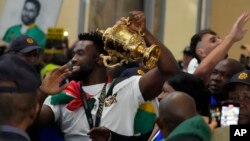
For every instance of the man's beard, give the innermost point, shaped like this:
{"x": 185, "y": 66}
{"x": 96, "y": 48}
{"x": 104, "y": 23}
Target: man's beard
{"x": 80, "y": 75}
{"x": 27, "y": 21}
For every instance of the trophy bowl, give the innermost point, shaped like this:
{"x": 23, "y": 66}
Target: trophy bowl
{"x": 123, "y": 45}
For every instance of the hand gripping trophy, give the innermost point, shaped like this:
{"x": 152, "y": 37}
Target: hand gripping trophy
{"x": 123, "y": 45}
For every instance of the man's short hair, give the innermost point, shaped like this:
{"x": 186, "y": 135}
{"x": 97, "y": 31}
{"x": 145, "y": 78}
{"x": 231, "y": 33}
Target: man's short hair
{"x": 36, "y": 3}
{"x": 194, "y": 87}
{"x": 96, "y": 38}
{"x": 19, "y": 83}
{"x": 187, "y": 51}
{"x": 196, "y": 38}
{"x": 22, "y": 74}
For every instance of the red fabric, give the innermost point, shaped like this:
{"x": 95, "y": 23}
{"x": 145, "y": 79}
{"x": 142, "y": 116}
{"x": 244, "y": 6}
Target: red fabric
{"x": 73, "y": 89}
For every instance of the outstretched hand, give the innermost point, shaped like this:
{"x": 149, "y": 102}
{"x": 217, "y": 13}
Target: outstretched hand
{"x": 99, "y": 134}
{"x": 238, "y": 30}
{"x": 52, "y": 83}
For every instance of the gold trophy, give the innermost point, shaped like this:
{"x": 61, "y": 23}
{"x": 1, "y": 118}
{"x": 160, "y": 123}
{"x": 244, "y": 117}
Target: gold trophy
{"x": 123, "y": 45}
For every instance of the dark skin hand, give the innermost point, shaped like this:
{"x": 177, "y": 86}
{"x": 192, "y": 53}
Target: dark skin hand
{"x": 99, "y": 134}
{"x": 51, "y": 85}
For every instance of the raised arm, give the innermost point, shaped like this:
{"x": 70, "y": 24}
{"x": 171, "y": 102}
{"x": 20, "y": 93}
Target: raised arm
{"x": 51, "y": 85}
{"x": 237, "y": 32}
{"x": 151, "y": 83}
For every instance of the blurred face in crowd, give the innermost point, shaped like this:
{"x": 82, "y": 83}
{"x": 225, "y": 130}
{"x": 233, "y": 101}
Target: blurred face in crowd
{"x": 29, "y": 13}
{"x": 207, "y": 44}
{"x": 166, "y": 89}
{"x": 241, "y": 93}
{"x": 219, "y": 77}
{"x": 32, "y": 57}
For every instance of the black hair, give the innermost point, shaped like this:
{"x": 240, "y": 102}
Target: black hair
{"x": 187, "y": 51}
{"x": 14, "y": 107}
{"x": 194, "y": 87}
{"x": 96, "y": 37}
{"x": 196, "y": 38}
{"x": 36, "y": 3}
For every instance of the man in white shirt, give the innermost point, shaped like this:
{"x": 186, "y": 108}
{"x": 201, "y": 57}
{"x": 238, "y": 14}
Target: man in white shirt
{"x": 209, "y": 49}
{"x": 120, "y": 107}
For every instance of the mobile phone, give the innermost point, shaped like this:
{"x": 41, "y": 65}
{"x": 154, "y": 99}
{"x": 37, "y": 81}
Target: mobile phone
{"x": 215, "y": 113}
{"x": 229, "y": 113}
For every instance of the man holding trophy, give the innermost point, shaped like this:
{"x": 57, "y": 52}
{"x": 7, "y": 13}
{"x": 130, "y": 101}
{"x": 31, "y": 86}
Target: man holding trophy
{"x": 90, "y": 100}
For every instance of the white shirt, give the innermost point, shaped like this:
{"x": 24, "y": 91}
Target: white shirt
{"x": 193, "y": 64}
{"x": 24, "y": 29}
{"x": 118, "y": 116}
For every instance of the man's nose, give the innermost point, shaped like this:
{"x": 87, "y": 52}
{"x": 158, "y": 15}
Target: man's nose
{"x": 74, "y": 59}
{"x": 216, "y": 77}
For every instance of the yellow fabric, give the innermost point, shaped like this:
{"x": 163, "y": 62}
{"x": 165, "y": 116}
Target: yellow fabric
{"x": 53, "y": 51}
{"x": 148, "y": 107}
{"x": 48, "y": 68}
{"x": 31, "y": 25}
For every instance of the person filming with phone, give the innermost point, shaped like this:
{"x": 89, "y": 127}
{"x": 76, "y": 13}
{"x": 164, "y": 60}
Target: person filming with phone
{"x": 239, "y": 91}
{"x": 239, "y": 104}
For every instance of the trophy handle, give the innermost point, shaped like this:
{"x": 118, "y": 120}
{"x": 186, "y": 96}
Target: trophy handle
{"x": 151, "y": 55}
{"x": 106, "y": 58}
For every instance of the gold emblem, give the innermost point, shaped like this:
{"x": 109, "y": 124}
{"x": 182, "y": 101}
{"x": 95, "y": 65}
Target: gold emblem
{"x": 29, "y": 40}
{"x": 140, "y": 72}
{"x": 110, "y": 100}
{"x": 243, "y": 76}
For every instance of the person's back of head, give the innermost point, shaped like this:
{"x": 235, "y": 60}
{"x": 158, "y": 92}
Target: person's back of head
{"x": 235, "y": 65}
{"x": 196, "y": 38}
{"x": 173, "y": 110}
{"x": 125, "y": 70}
{"x": 194, "y": 87}
{"x": 19, "y": 84}
{"x": 187, "y": 51}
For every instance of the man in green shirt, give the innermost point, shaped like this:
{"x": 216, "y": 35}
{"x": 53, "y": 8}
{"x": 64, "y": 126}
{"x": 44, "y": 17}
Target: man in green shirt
{"x": 29, "y": 14}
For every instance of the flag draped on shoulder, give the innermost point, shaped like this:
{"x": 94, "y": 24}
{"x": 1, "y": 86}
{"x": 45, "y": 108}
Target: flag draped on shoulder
{"x": 70, "y": 96}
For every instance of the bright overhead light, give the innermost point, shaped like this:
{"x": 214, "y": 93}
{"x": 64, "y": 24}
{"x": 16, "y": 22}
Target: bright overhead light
{"x": 65, "y": 33}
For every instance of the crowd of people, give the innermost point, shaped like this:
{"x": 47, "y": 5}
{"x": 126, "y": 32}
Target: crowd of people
{"x": 80, "y": 99}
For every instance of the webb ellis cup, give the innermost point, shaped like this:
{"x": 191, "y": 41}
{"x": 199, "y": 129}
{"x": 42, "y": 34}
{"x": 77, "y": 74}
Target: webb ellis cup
{"x": 124, "y": 45}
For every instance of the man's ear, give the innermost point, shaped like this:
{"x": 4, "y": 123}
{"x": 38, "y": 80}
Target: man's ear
{"x": 34, "y": 111}
{"x": 200, "y": 53}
